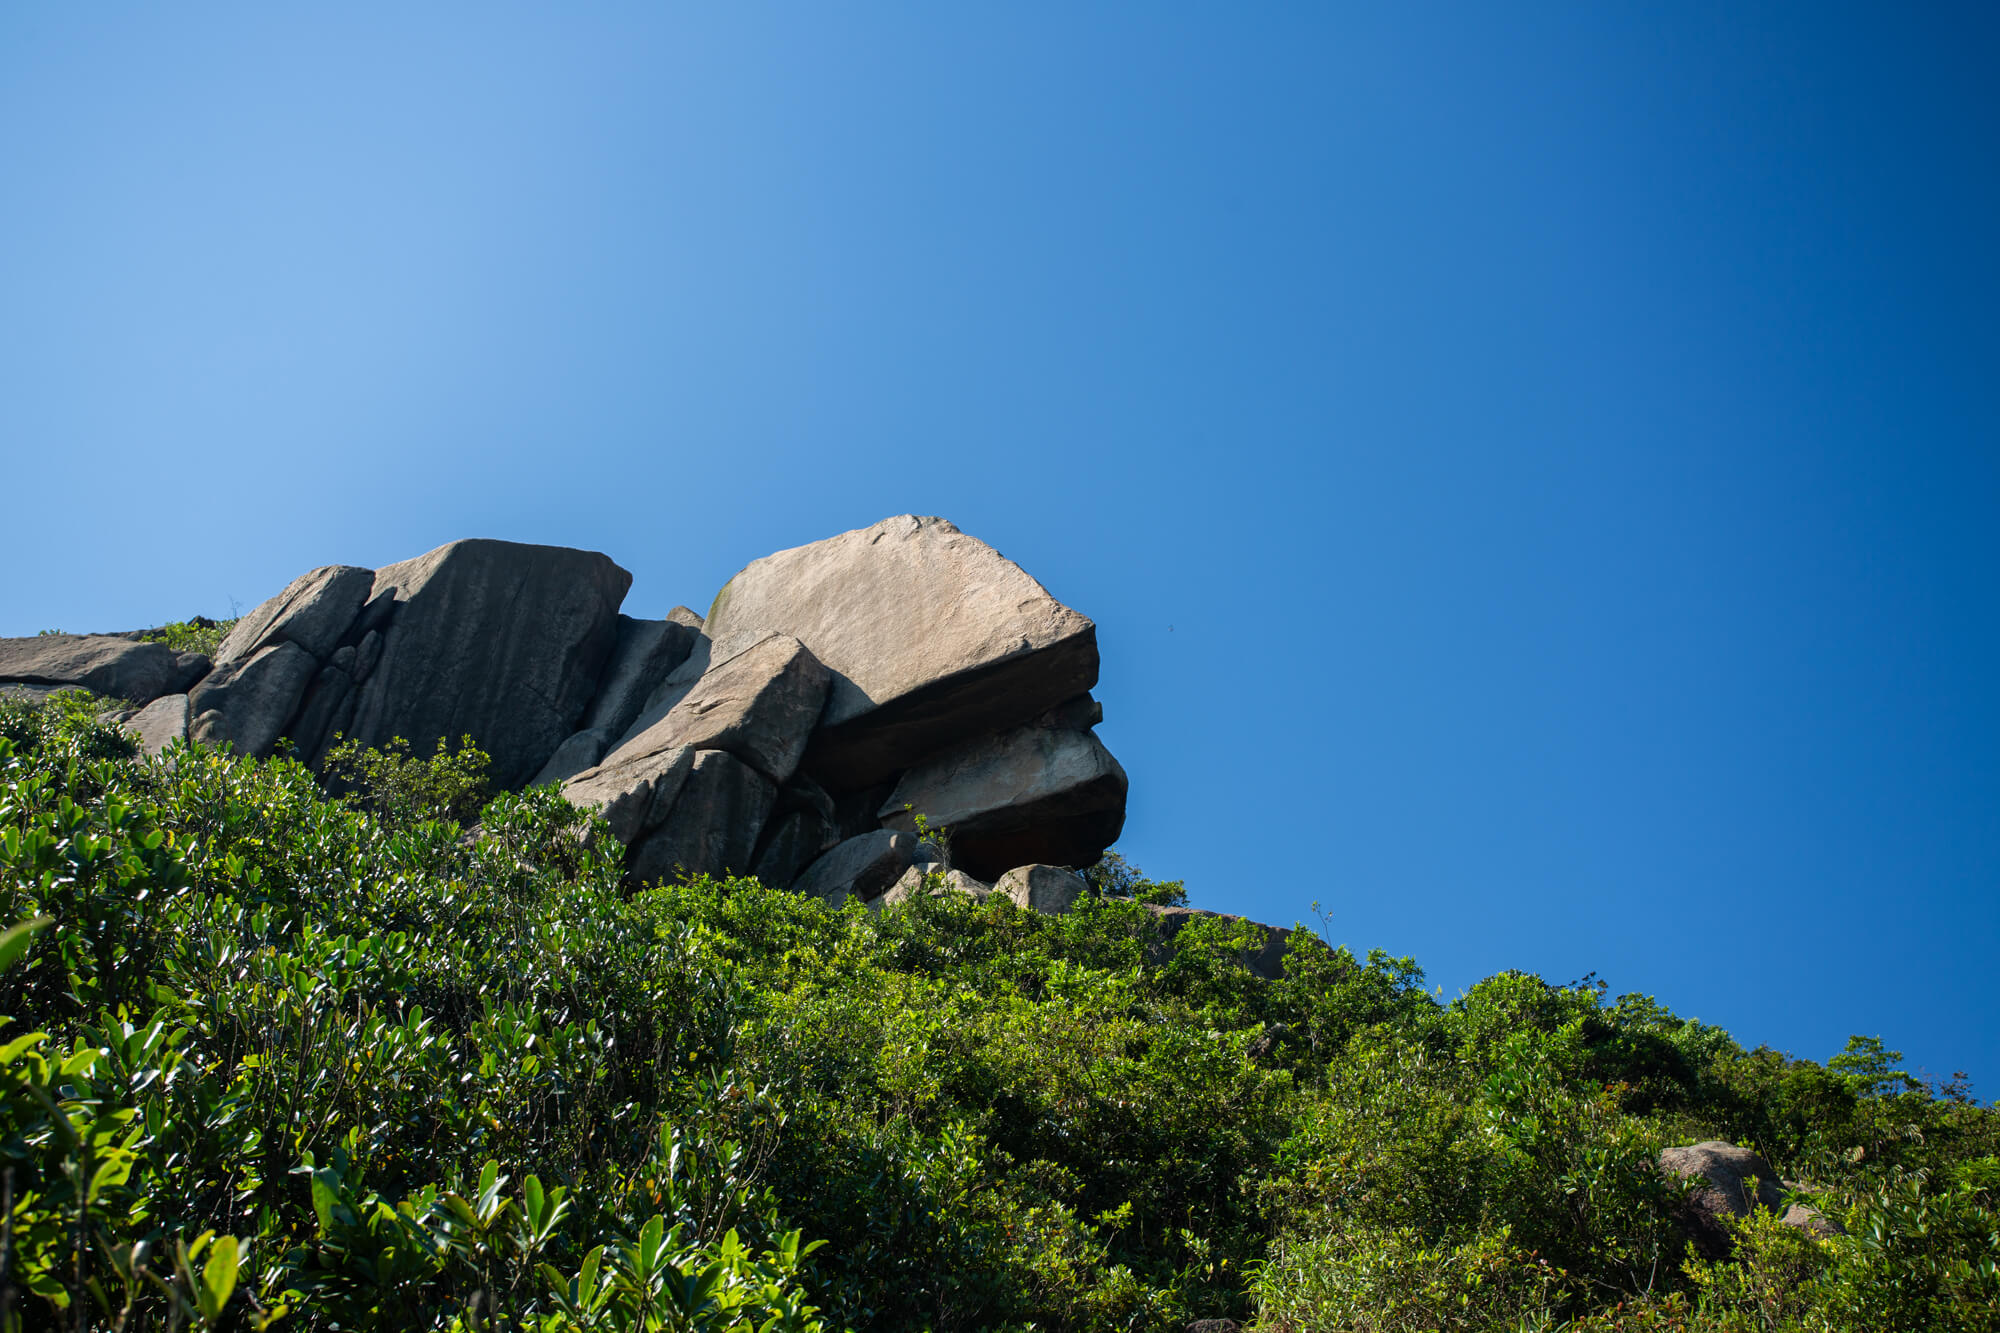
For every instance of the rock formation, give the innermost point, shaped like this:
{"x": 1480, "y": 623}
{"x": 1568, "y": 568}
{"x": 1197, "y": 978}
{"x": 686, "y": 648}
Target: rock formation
{"x": 1728, "y": 1181}
{"x": 833, "y": 692}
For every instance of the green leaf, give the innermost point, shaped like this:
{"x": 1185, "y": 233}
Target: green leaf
{"x": 218, "y": 1279}
{"x": 15, "y": 940}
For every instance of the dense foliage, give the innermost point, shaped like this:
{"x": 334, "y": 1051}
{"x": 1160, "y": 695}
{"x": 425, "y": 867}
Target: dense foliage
{"x": 278, "y": 1059}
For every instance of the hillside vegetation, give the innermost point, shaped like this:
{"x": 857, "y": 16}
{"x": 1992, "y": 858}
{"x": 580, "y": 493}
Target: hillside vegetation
{"x": 278, "y": 1059}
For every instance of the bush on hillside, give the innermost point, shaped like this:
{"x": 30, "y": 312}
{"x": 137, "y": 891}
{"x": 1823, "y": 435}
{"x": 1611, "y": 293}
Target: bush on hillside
{"x": 277, "y": 1059}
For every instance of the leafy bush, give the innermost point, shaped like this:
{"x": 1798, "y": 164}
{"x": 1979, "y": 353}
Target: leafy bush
{"x": 399, "y": 788}
{"x": 276, "y": 1059}
{"x": 197, "y": 634}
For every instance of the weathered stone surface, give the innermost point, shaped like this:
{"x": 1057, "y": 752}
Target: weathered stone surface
{"x": 497, "y": 640}
{"x": 104, "y": 664}
{"x": 759, "y": 705}
{"x": 582, "y": 750}
{"x": 1732, "y": 1181}
{"x": 681, "y": 615}
{"x": 248, "y": 703}
{"x": 713, "y": 824}
{"x": 328, "y": 705}
{"x": 920, "y": 880}
{"x": 635, "y": 796}
{"x": 647, "y": 652}
{"x": 314, "y": 612}
{"x": 863, "y": 867}
{"x": 793, "y": 841}
{"x": 1026, "y": 796}
{"x": 1265, "y": 957}
{"x": 1051, "y": 890}
{"x": 366, "y": 654}
{"x": 160, "y": 723}
{"x": 932, "y": 635}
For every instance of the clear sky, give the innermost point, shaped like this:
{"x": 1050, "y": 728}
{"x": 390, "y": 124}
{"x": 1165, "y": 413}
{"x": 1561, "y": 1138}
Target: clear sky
{"x": 1535, "y": 468}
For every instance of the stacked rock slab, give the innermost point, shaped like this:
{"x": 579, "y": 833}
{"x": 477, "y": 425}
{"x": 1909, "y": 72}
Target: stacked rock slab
{"x": 107, "y": 664}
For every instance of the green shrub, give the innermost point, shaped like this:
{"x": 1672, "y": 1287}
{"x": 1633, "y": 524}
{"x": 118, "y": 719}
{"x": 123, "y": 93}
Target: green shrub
{"x": 278, "y": 1058}
{"x": 400, "y": 788}
{"x": 197, "y": 634}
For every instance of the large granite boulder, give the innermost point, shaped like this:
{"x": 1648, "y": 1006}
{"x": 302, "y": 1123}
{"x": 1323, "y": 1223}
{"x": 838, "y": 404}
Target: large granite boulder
{"x": 759, "y": 704}
{"x": 636, "y": 796}
{"x": 933, "y": 638}
{"x": 246, "y": 704}
{"x": 314, "y": 611}
{"x": 160, "y": 723}
{"x": 1029, "y": 795}
{"x": 1727, "y": 1182}
{"x": 863, "y": 867}
{"x": 107, "y": 664}
{"x": 712, "y": 826}
{"x": 500, "y": 641}
{"x": 757, "y": 707}
{"x": 1051, "y": 890}
{"x": 802, "y": 826}
{"x": 647, "y": 652}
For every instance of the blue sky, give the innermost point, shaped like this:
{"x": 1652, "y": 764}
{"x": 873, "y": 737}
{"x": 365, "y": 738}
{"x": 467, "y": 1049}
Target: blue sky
{"x": 1536, "y": 469}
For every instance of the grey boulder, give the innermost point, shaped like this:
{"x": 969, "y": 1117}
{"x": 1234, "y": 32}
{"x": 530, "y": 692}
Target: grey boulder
{"x": 501, "y": 641}
{"x": 863, "y": 867}
{"x": 581, "y": 751}
{"x": 1728, "y": 1182}
{"x": 933, "y": 637}
{"x": 635, "y": 796}
{"x": 247, "y": 704}
{"x": 1030, "y": 795}
{"x": 793, "y": 841}
{"x": 106, "y": 664}
{"x": 314, "y": 612}
{"x": 759, "y": 704}
{"x": 1051, "y": 890}
{"x": 927, "y": 881}
{"x": 160, "y": 723}
{"x": 759, "y": 707}
{"x": 647, "y": 652}
{"x": 713, "y": 824}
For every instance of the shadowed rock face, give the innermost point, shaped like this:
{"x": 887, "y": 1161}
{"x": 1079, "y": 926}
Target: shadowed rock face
{"x": 1031, "y": 795}
{"x": 496, "y": 640}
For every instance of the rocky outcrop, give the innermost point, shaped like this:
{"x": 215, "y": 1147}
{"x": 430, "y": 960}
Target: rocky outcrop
{"x": 246, "y": 704}
{"x": 1728, "y": 1182}
{"x": 160, "y": 723}
{"x": 495, "y": 640}
{"x": 933, "y": 638}
{"x": 313, "y": 612}
{"x": 711, "y": 827}
{"x": 863, "y": 867}
{"x": 647, "y": 651}
{"x": 834, "y": 692}
{"x": 1032, "y": 794}
{"x": 108, "y": 664}
{"x": 1048, "y": 889}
